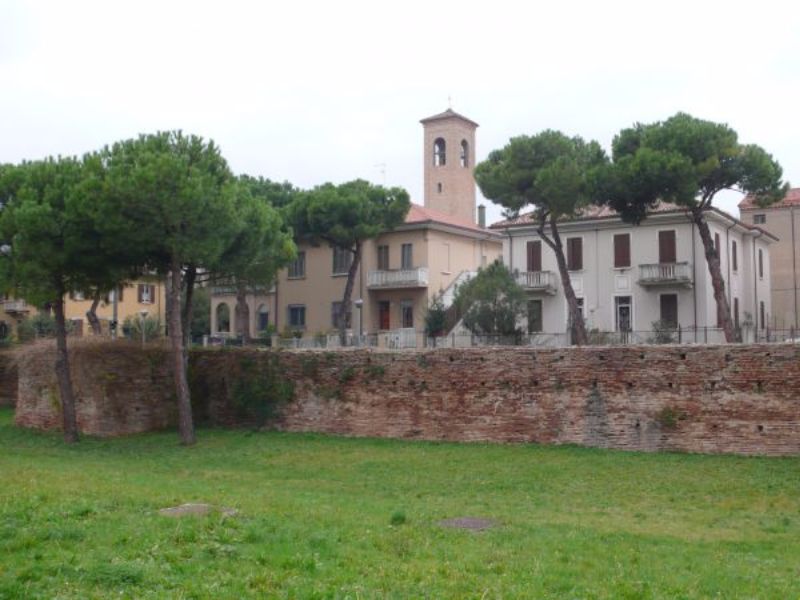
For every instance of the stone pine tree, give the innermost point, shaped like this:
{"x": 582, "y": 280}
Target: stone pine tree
{"x": 260, "y": 247}
{"x": 688, "y": 161}
{"x": 345, "y": 216}
{"x": 554, "y": 174}
{"x": 170, "y": 197}
{"x": 492, "y": 303}
{"x": 51, "y": 249}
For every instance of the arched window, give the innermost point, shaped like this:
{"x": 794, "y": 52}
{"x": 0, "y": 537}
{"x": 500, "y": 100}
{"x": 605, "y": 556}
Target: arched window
{"x": 263, "y": 317}
{"x": 223, "y": 318}
{"x": 439, "y": 153}
{"x": 464, "y": 153}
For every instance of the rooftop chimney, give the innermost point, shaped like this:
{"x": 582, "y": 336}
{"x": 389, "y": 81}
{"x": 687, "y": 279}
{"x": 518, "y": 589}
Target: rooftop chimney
{"x": 482, "y": 216}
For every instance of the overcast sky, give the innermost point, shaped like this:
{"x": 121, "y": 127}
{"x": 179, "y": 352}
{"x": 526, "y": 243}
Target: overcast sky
{"x": 331, "y": 91}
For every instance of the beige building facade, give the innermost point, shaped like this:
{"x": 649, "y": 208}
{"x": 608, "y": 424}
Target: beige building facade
{"x": 145, "y": 295}
{"x": 781, "y": 219}
{"x": 401, "y": 270}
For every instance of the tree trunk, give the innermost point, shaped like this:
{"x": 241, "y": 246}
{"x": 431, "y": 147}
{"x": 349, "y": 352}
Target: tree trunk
{"x": 715, "y": 270}
{"x": 63, "y": 374}
{"x": 242, "y": 313}
{"x": 348, "y": 294}
{"x": 185, "y": 423}
{"x": 91, "y": 315}
{"x": 577, "y": 326}
{"x": 186, "y": 315}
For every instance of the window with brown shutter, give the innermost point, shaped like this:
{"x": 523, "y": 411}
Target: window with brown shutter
{"x": 760, "y": 263}
{"x": 734, "y": 256}
{"x": 666, "y": 247}
{"x": 535, "y": 256}
{"x": 716, "y": 243}
{"x": 575, "y": 254}
{"x": 622, "y": 250}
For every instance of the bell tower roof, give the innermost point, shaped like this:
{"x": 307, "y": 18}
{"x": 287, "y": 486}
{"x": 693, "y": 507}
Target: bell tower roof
{"x": 448, "y": 114}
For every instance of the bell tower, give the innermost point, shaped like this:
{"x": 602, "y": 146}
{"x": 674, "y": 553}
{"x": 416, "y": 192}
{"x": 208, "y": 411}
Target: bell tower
{"x": 449, "y": 161}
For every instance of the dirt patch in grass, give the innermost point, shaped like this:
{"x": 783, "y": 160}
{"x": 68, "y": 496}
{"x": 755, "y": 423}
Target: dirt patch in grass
{"x": 470, "y": 523}
{"x": 196, "y": 509}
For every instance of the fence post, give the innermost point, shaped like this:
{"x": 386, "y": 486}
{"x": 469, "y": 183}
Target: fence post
{"x": 705, "y": 334}
{"x": 680, "y": 334}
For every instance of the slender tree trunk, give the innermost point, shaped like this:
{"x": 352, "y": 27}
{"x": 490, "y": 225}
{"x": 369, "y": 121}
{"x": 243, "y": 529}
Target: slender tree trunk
{"x": 715, "y": 270}
{"x": 63, "y": 374}
{"x": 189, "y": 281}
{"x": 348, "y": 294}
{"x": 242, "y": 312}
{"x": 91, "y": 315}
{"x": 185, "y": 423}
{"x": 577, "y": 326}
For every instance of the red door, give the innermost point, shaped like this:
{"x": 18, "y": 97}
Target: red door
{"x": 383, "y": 315}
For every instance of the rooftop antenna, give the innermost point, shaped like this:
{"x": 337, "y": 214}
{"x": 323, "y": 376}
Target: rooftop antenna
{"x": 450, "y": 102}
{"x": 382, "y": 168}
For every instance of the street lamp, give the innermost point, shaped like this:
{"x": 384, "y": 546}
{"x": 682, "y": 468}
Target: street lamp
{"x": 359, "y": 305}
{"x": 142, "y": 315}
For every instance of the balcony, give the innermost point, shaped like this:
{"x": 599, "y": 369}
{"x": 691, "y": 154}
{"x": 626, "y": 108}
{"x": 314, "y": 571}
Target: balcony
{"x": 537, "y": 281}
{"x": 402, "y": 278}
{"x": 15, "y": 306}
{"x": 666, "y": 274}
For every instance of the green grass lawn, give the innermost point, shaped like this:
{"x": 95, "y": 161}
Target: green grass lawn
{"x": 316, "y": 512}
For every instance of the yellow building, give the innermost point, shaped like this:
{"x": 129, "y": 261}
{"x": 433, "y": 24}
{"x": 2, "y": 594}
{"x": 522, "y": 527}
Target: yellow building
{"x": 145, "y": 295}
{"x": 438, "y": 245}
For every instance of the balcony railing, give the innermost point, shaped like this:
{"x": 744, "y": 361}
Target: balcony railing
{"x": 537, "y": 281}
{"x": 15, "y": 306}
{"x": 402, "y": 278}
{"x": 679, "y": 273}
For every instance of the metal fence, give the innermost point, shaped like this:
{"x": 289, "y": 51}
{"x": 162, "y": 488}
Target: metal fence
{"x": 411, "y": 339}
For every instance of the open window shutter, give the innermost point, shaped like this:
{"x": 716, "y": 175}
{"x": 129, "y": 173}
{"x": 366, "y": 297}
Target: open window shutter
{"x": 666, "y": 247}
{"x": 139, "y": 293}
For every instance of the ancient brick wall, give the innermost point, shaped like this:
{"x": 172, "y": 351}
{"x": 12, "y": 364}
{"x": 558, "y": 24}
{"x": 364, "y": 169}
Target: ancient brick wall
{"x": 8, "y": 379}
{"x": 737, "y": 399}
{"x": 119, "y": 388}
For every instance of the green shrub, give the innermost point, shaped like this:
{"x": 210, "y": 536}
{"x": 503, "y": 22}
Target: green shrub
{"x": 260, "y": 389}
{"x": 398, "y": 518}
{"x": 132, "y": 328}
{"x": 41, "y": 325}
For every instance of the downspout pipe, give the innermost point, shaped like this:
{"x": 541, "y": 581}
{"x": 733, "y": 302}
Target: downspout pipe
{"x": 794, "y": 268}
{"x": 728, "y": 254}
{"x": 755, "y": 284}
{"x": 694, "y": 279}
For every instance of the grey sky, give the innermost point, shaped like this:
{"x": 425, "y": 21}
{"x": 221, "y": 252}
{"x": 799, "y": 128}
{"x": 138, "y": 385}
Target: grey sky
{"x": 318, "y": 91}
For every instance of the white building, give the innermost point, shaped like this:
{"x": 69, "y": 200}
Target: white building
{"x": 628, "y": 277}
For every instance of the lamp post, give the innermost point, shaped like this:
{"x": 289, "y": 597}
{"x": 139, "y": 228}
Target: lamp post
{"x": 142, "y": 315}
{"x": 359, "y": 305}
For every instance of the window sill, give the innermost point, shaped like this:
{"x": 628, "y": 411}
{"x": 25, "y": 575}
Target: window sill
{"x": 338, "y": 274}
{"x": 299, "y": 277}
{"x": 621, "y": 269}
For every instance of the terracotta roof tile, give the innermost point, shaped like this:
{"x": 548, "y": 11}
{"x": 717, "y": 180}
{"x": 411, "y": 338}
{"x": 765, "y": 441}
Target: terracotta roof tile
{"x": 792, "y": 198}
{"x": 422, "y": 214}
{"x": 589, "y": 212}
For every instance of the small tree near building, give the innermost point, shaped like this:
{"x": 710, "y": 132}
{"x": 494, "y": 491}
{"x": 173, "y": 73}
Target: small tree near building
{"x": 492, "y": 303}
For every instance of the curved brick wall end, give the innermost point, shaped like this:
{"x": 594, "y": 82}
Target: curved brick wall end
{"x": 8, "y": 379}
{"x": 711, "y": 399}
